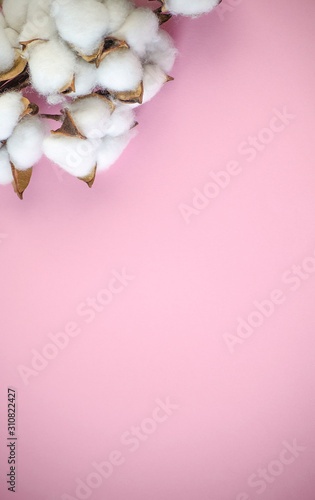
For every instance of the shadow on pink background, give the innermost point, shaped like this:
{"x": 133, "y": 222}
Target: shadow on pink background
{"x": 191, "y": 375}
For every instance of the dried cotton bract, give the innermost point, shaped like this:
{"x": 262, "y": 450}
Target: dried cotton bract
{"x": 97, "y": 59}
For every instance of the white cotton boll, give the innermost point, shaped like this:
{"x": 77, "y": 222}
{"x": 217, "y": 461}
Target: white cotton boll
{"x": 153, "y": 80}
{"x": 25, "y": 144}
{"x": 122, "y": 120}
{"x": 7, "y": 54}
{"x": 162, "y": 51}
{"x": 15, "y": 12}
{"x": 51, "y": 66}
{"x": 11, "y": 108}
{"x": 13, "y": 37}
{"x": 91, "y": 116}
{"x": 6, "y": 176}
{"x": 55, "y": 99}
{"x": 3, "y": 23}
{"x": 39, "y": 24}
{"x": 82, "y": 23}
{"x": 120, "y": 71}
{"x": 76, "y": 156}
{"x": 85, "y": 78}
{"x": 190, "y": 7}
{"x": 139, "y": 29}
{"x": 37, "y": 8}
{"x": 111, "y": 148}
{"x": 118, "y": 11}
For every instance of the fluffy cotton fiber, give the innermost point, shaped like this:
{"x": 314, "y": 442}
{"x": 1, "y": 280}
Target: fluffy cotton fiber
{"x": 51, "y": 66}
{"x": 122, "y": 120}
{"x": 7, "y": 53}
{"x": 82, "y": 23}
{"x": 118, "y": 10}
{"x": 190, "y": 7}
{"x": 11, "y": 108}
{"x": 91, "y": 115}
{"x": 85, "y": 78}
{"x": 111, "y": 148}
{"x": 161, "y": 51}
{"x": 6, "y": 176}
{"x": 25, "y": 144}
{"x": 138, "y": 30}
{"x": 120, "y": 71}
{"x": 75, "y": 156}
{"x": 15, "y": 12}
{"x": 153, "y": 80}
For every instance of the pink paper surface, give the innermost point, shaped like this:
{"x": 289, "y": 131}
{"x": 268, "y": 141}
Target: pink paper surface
{"x": 194, "y": 378}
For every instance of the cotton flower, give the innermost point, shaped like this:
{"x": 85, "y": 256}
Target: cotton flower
{"x": 92, "y": 137}
{"x": 190, "y": 7}
{"x": 21, "y": 136}
{"x": 25, "y": 144}
{"x": 52, "y": 66}
{"x": 7, "y": 54}
{"x": 120, "y": 71}
{"x": 97, "y": 59}
{"x": 15, "y": 12}
{"x": 82, "y": 23}
{"x": 138, "y": 29}
{"x": 12, "y": 107}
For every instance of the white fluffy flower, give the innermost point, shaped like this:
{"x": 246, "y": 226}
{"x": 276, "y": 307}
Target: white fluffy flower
{"x": 85, "y": 78}
{"x": 15, "y": 12}
{"x": 138, "y": 30}
{"x": 25, "y": 144}
{"x": 190, "y": 7}
{"x": 111, "y": 148}
{"x": 39, "y": 23}
{"x": 118, "y": 10}
{"x": 161, "y": 51}
{"x": 91, "y": 116}
{"x": 11, "y": 109}
{"x": 82, "y": 23}
{"x": 7, "y": 53}
{"x": 153, "y": 80}
{"x": 75, "y": 156}
{"x": 122, "y": 120}
{"x": 52, "y": 66}
{"x": 120, "y": 71}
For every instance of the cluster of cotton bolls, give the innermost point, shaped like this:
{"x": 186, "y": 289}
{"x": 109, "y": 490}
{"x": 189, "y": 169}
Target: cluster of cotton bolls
{"x": 98, "y": 59}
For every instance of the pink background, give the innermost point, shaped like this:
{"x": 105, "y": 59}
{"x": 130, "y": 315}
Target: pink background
{"x": 163, "y": 335}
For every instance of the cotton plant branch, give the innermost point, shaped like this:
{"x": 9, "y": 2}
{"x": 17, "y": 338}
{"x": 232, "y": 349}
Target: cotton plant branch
{"x": 99, "y": 60}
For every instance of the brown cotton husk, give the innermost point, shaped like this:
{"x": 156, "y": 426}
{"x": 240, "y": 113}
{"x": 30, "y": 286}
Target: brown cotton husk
{"x": 132, "y": 97}
{"x": 109, "y": 45}
{"x": 69, "y": 88}
{"x": 162, "y": 8}
{"x": 18, "y": 83}
{"x": 168, "y": 78}
{"x": 163, "y": 17}
{"x": 21, "y": 180}
{"x": 18, "y": 68}
{"x": 30, "y": 108}
{"x": 89, "y": 179}
{"x": 25, "y": 44}
{"x": 68, "y": 128}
